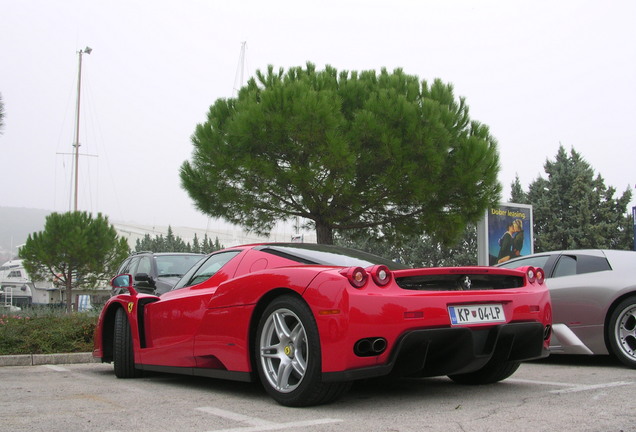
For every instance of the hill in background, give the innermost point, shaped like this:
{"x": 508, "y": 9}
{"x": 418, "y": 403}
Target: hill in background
{"x": 15, "y": 226}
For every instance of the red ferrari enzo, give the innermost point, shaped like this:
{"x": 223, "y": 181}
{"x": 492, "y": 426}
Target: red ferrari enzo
{"x": 309, "y": 319}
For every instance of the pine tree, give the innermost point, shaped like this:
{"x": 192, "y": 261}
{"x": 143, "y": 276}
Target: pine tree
{"x": 573, "y": 209}
{"x": 382, "y": 152}
{"x": 517, "y": 195}
{"x": 196, "y": 247}
{"x": 76, "y": 249}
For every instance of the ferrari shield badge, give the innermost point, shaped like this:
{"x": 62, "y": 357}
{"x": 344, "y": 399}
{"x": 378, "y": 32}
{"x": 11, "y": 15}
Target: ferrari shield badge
{"x": 130, "y": 307}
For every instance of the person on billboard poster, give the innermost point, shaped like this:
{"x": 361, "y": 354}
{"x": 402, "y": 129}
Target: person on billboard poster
{"x": 506, "y": 244}
{"x": 517, "y": 241}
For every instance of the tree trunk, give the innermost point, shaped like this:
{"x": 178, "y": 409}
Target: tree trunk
{"x": 324, "y": 234}
{"x": 69, "y": 293}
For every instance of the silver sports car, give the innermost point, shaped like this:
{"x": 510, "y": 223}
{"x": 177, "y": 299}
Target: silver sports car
{"x": 593, "y": 299}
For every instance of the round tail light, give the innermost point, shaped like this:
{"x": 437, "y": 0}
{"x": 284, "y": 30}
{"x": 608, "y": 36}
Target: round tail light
{"x": 532, "y": 274}
{"x": 540, "y": 275}
{"x": 357, "y": 276}
{"x": 380, "y": 274}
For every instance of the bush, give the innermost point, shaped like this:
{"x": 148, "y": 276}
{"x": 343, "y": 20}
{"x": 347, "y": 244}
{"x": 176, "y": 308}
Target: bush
{"x": 46, "y": 332}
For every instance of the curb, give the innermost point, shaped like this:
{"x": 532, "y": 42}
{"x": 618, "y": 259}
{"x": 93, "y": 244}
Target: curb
{"x": 46, "y": 359}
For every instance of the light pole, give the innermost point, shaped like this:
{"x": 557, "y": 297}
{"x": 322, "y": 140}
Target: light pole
{"x": 634, "y": 222}
{"x": 86, "y": 50}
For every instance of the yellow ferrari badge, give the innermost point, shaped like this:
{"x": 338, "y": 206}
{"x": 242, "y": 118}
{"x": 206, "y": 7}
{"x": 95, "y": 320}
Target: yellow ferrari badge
{"x": 130, "y": 307}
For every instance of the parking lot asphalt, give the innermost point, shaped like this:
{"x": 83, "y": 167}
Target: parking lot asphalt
{"x": 565, "y": 394}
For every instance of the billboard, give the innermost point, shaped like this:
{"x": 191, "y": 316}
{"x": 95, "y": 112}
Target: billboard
{"x": 505, "y": 233}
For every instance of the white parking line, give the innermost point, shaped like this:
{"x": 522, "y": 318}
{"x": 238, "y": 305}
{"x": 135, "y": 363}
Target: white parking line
{"x": 257, "y": 424}
{"x": 57, "y": 368}
{"x": 592, "y": 387}
{"x": 230, "y": 415}
{"x": 569, "y": 387}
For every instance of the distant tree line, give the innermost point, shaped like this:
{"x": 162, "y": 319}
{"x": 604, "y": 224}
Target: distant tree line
{"x": 418, "y": 251}
{"x": 172, "y": 243}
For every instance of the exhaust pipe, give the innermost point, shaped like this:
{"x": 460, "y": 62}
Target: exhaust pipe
{"x": 369, "y": 347}
{"x": 547, "y": 332}
{"x": 379, "y": 345}
{"x": 362, "y": 347}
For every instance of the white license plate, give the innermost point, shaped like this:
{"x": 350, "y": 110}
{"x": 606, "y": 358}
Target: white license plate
{"x": 476, "y": 314}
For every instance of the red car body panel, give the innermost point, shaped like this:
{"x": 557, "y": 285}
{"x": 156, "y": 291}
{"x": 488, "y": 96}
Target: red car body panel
{"x": 210, "y": 326}
{"x": 390, "y": 312}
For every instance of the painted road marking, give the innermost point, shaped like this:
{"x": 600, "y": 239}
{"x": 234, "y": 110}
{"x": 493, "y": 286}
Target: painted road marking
{"x": 57, "y": 368}
{"x": 256, "y": 424}
{"x": 591, "y": 387}
{"x": 571, "y": 388}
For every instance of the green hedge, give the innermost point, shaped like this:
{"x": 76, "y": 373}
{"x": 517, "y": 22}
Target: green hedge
{"x": 46, "y": 332}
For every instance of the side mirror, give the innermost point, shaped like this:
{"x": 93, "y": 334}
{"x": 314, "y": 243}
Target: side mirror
{"x": 123, "y": 282}
{"x": 144, "y": 279}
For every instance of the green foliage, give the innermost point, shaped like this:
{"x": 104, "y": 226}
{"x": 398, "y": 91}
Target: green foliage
{"x": 517, "y": 195}
{"x": 573, "y": 209}
{"x": 172, "y": 243}
{"x": 75, "y": 249}
{"x": 47, "y": 332}
{"x": 418, "y": 251}
{"x": 380, "y": 152}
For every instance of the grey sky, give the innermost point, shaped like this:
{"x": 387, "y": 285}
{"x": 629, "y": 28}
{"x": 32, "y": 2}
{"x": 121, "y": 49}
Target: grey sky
{"x": 538, "y": 73}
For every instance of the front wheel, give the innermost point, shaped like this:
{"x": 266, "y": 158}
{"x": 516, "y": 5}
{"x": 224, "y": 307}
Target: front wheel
{"x": 621, "y": 332}
{"x": 288, "y": 355}
{"x": 123, "y": 354}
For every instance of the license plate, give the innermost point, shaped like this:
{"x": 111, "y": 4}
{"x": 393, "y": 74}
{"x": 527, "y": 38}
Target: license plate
{"x": 476, "y": 314}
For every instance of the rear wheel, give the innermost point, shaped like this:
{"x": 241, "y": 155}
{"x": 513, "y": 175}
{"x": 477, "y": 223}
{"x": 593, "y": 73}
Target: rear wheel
{"x": 494, "y": 371}
{"x": 123, "y": 354}
{"x": 288, "y": 355}
{"x": 621, "y": 332}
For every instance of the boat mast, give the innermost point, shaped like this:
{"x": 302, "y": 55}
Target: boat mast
{"x": 86, "y": 50}
{"x": 240, "y": 70}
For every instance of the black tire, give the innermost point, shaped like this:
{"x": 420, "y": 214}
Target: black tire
{"x": 288, "y": 355}
{"x": 621, "y": 332}
{"x": 494, "y": 371}
{"x": 123, "y": 354}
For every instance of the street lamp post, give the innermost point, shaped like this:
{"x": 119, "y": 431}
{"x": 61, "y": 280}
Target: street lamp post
{"x": 634, "y": 223}
{"x": 86, "y": 50}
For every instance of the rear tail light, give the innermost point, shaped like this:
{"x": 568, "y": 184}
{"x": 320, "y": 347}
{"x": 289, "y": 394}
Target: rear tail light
{"x": 531, "y": 274}
{"x": 535, "y": 274}
{"x": 540, "y": 275}
{"x": 357, "y": 276}
{"x": 380, "y": 274}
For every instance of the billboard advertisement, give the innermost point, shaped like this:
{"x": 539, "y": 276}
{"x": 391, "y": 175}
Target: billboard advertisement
{"x": 505, "y": 233}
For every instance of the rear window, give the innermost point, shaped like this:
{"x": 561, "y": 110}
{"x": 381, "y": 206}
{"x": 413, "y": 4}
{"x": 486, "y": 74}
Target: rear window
{"x": 306, "y": 253}
{"x": 534, "y": 261}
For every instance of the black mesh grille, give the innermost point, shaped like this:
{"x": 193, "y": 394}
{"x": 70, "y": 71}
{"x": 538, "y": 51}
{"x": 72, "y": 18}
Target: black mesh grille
{"x": 459, "y": 282}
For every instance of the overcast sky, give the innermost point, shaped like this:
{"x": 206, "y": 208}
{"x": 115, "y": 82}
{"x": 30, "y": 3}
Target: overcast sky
{"x": 538, "y": 73}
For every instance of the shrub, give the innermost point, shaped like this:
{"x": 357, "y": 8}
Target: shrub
{"x": 46, "y": 332}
